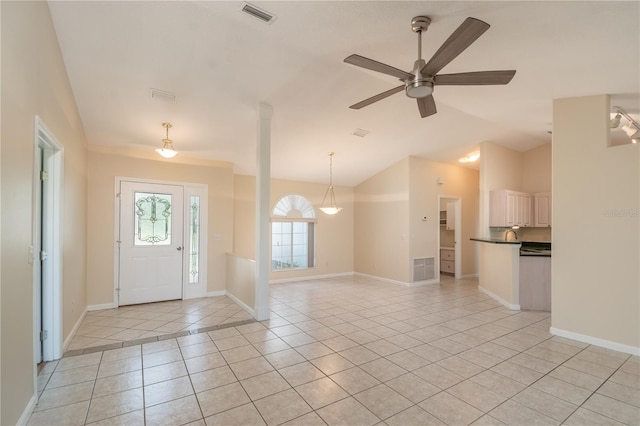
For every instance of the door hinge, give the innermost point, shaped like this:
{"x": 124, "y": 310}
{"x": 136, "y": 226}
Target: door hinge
{"x": 43, "y": 335}
{"x": 43, "y": 256}
{"x": 118, "y": 195}
{"x": 43, "y": 175}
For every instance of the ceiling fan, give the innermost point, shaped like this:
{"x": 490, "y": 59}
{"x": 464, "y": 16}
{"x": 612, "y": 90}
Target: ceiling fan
{"x": 419, "y": 82}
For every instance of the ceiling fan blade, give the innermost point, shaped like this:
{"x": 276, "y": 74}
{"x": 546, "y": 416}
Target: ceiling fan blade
{"x": 427, "y": 106}
{"x": 377, "y": 97}
{"x": 475, "y": 78}
{"x": 370, "y": 64}
{"x": 463, "y": 37}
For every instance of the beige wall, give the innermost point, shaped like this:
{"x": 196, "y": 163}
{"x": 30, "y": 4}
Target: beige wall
{"x": 595, "y": 277}
{"x": 536, "y": 169}
{"x": 424, "y": 191}
{"x": 381, "y": 224}
{"x": 334, "y": 234}
{"x": 34, "y": 82}
{"x": 104, "y": 168}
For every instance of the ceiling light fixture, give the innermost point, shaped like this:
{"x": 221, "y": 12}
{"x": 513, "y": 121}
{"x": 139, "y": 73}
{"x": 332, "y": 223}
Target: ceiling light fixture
{"x": 632, "y": 128}
{"x": 167, "y": 150}
{"x": 331, "y": 209}
{"x": 615, "y": 121}
{"x": 470, "y": 158}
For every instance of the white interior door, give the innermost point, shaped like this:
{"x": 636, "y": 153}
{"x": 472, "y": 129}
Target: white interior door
{"x": 151, "y": 246}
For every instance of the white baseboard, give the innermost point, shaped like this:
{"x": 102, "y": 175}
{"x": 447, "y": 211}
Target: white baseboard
{"x": 469, "y": 276}
{"x": 74, "y": 330}
{"x": 386, "y": 280}
{"x": 101, "y": 307}
{"x": 608, "y": 344}
{"x": 311, "y": 277}
{"x": 28, "y": 410}
{"x": 421, "y": 283}
{"x": 241, "y": 303}
{"x": 499, "y": 299}
{"x": 217, "y": 293}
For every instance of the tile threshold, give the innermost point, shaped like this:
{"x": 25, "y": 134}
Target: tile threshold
{"x": 127, "y": 343}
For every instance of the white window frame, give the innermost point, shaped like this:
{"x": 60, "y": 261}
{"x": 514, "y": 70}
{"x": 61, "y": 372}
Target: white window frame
{"x": 293, "y": 219}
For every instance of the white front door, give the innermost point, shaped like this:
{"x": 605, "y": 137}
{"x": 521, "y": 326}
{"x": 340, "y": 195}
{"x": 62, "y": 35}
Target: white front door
{"x": 151, "y": 247}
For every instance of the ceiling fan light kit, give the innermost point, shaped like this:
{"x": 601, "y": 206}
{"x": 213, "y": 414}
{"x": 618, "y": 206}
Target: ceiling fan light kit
{"x": 419, "y": 83}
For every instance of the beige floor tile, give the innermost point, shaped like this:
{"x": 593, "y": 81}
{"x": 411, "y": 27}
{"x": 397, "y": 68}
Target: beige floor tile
{"x": 164, "y": 372}
{"x": 73, "y": 376}
{"x": 438, "y": 376}
{"x": 205, "y": 362}
{"x": 480, "y": 397}
{"x": 241, "y": 353}
{"x": 119, "y": 366}
{"x": 122, "y": 353}
{"x": 412, "y": 387}
{"x": 298, "y": 339}
{"x": 450, "y": 409}
{"x": 271, "y": 346}
{"x": 545, "y": 403}
{"x": 314, "y": 350}
{"x": 500, "y": 384}
{"x": 333, "y": 363}
{"x": 408, "y": 360}
{"x": 487, "y": 420}
{"x": 383, "y": 347}
{"x": 383, "y": 401}
{"x": 620, "y": 392}
{"x": 339, "y": 343}
{"x": 413, "y": 416}
{"x": 578, "y": 378}
{"x": 282, "y": 407}
{"x": 217, "y": 400}
{"x": 163, "y": 345}
{"x": 563, "y": 390}
{"x": 245, "y": 415}
{"x": 193, "y": 339}
{"x": 212, "y": 378}
{"x": 173, "y": 413}
{"x": 133, "y": 418}
{"x": 260, "y": 336}
{"x": 613, "y": 408}
{"x": 627, "y": 379}
{"x": 65, "y": 395}
{"x": 347, "y": 412}
{"x": 284, "y": 358}
{"x": 321, "y": 392}
{"x": 583, "y": 417}
{"x": 168, "y": 390}
{"x": 301, "y": 373}
{"x": 355, "y": 380}
{"x": 162, "y": 357}
{"x": 537, "y": 364}
{"x": 251, "y": 367}
{"x": 383, "y": 369}
{"x": 460, "y": 366}
{"x": 118, "y": 383}
{"x": 264, "y": 385}
{"x": 286, "y": 330}
{"x": 513, "y": 413}
{"x": 231, "y": 342}
{"x": 517, "y": 372}
{"x": 590, "y": 368}
{"x": 74, "y": 362}
{"x": 310, "y": 419}
{"x": 69, "y": 415}
{"x": 115, "y": 404}
{"x": 430, "y": 353}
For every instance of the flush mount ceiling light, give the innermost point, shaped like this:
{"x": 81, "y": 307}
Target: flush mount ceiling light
{"x": 470, "y": 158}
{"x": 632, "y": 128}
{"x": 331, "y": 209}
{"x": 167, "y": 150}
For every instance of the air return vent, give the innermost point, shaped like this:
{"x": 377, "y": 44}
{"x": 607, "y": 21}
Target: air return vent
{"x": 258, "y": 13}
{"x": 424, "y": 269}
{"x": 162, "y": 95}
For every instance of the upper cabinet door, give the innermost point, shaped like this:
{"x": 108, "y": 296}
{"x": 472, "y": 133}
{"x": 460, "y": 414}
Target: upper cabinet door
{"x": 542, "y": 206}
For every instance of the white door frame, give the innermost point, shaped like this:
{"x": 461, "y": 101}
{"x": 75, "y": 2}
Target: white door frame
{"x": 51, "y": 273}
{"x": 189, "y": 290}
{"x": 457, "y": 234}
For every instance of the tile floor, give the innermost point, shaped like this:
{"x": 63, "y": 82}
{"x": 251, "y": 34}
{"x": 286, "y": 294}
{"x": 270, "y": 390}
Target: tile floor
{"x": 350, "y": 351}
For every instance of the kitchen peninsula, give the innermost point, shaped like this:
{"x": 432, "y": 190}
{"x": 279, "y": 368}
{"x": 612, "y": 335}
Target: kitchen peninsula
{"x": 515, "y": 273}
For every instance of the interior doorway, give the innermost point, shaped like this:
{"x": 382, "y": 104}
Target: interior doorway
{"x": 46, "y": 249}
{"x": 450, "y": 231}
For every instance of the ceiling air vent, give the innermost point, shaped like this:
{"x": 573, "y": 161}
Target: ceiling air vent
{"x": 258, "y": 13}
{"x": 360, "y": 133}
{"x": 161, "y": 95}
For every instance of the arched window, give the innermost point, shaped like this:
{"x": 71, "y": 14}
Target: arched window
{"x": 293, "y": 223}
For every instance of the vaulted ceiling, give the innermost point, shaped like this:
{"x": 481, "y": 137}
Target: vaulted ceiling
{"x": 221, "y": 63}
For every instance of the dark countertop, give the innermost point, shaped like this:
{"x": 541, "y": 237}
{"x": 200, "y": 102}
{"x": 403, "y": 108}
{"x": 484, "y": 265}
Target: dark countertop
{"x": 492, "y": 241}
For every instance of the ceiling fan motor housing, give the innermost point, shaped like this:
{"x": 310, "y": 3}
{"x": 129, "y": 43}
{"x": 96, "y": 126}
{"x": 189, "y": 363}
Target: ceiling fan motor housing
{"x": 421, "y": 85}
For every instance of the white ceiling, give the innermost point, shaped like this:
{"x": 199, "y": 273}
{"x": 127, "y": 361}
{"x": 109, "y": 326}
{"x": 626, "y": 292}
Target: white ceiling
{"x": 221, "y": 63}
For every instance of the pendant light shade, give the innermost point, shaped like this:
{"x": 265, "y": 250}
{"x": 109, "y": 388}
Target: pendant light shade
{"x": 331, "y": 208}
{"x": 167, "y": 150}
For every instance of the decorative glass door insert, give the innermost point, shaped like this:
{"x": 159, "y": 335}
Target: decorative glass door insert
{"x": 152, "y": 219}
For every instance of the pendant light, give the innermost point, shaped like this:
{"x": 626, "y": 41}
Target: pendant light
{"x": 331, "y": 209}
{"x": 167, "y": 150}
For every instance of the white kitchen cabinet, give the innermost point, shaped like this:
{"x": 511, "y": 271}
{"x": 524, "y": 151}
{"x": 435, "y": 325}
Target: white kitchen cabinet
{"x": 451, "y": 217}
{"x": 542, "y": 209}
{"x": 448, "y": 260}
{"x": 510, "y": 208}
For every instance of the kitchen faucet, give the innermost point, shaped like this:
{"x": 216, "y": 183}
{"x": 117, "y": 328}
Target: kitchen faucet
{"x": 506, "y": 235}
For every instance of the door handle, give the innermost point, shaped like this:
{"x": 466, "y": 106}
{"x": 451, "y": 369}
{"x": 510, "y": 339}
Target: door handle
{"x": 179, "y": 248}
